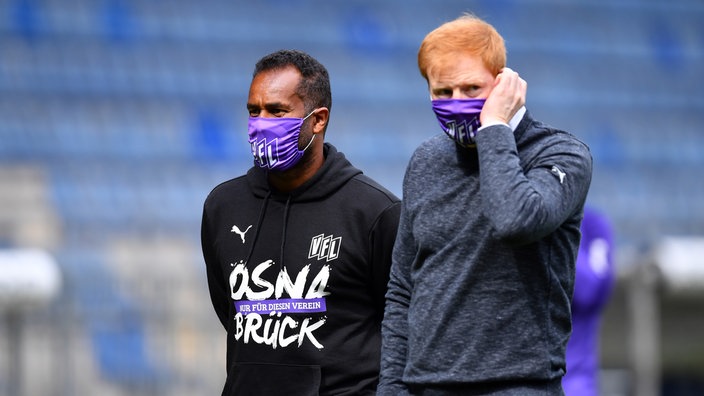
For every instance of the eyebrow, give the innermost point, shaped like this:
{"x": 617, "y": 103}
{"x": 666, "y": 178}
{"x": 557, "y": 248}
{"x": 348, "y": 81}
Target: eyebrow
{"x": 440, "y": 89}
{"x": 277, "y": 105}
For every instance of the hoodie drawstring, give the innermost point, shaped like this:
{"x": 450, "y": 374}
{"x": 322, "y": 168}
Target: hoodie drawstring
{"x": 283, "y": 235}
{"x": 260, "y": 220}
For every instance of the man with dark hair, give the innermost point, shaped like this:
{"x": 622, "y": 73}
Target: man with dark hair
{"x": 315, "y": 82}
{"x": 298, "y": 250}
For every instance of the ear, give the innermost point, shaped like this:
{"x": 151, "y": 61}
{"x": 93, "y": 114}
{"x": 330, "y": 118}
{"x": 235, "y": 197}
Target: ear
{"x": 320, "y": 119}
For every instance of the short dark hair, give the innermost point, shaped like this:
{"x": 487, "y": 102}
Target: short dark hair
{"x": 314, "y": 87}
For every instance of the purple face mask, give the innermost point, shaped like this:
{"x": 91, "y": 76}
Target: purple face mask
{"x": 459, "y": 118}
{"x": 274, "y": 142}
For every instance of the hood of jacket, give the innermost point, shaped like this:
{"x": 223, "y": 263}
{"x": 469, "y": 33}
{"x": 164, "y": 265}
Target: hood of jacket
{"x": 335, "y": 172}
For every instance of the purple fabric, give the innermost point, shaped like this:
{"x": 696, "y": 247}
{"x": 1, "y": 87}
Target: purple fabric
{"x": 274, "y": 142}
{"x": 459, "y": 118}
{"x": 285, "y": 305}
{"x": 593, "y": 285}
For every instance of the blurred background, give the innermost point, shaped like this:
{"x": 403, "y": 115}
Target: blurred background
{"x": 117, "y": 118}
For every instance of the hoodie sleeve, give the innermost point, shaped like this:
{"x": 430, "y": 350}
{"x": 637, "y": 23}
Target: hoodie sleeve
{"x": 382, "y": 239}
{"x": 395, "y": 324}
{"x": 525, "y": 205}
{"x": 217, "y": 284}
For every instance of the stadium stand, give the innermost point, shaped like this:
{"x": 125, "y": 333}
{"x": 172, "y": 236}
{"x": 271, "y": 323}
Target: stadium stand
{"x": 117, "y": 117}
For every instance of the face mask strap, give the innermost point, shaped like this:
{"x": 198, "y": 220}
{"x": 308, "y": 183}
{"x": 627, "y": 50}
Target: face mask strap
{"x": 309, "y": 114}
{"x": 313, "y": 138}
{"x": 309, "y": 143}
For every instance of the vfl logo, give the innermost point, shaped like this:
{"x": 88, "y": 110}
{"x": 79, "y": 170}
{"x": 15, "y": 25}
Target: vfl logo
{"x": 464, "y": 132}
{"x": 264, "y": 153}
{"x": 236, "y": 229}
{"x": 324, "y": 247}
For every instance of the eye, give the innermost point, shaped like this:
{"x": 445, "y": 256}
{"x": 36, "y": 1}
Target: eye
{"x": 276, "y": 110}
{"x": 253, "y": 111}
{"x": 472, "y": 90}
{"x": 442, "y": 93}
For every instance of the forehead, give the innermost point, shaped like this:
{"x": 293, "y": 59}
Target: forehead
{"x": 458, "y": 69}
{"x": 276, "y": 85}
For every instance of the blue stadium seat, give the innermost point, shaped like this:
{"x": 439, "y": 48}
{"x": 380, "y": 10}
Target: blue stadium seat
{"x": 114, "y": 323}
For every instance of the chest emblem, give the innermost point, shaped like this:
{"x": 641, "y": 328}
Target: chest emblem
{"x": 325, "y": 247}
{"x": 239, "y": 232}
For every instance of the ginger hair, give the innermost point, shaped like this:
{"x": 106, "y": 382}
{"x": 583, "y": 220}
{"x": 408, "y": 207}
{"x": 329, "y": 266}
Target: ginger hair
{"x": 468, "y": 35}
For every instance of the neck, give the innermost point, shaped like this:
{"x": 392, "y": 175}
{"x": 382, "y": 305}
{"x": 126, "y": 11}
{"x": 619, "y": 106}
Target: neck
{"x": 293, "y": 178}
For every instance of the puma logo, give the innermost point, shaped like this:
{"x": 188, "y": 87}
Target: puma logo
{"x": 239, "y": 232}
{"x": 557, "y": 172}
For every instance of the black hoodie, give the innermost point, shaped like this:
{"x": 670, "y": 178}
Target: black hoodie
{"x": 298, "y": 279}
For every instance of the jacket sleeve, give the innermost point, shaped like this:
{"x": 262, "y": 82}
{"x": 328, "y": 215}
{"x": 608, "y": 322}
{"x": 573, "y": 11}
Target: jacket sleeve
{"x": 395, "y": 324}
{"x": 217, "y": 284}
{"x": 382, "y": 239}
{"x": 525, "y": 205}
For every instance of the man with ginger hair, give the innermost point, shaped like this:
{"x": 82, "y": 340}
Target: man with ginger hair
{"x": 484, "y": 261}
